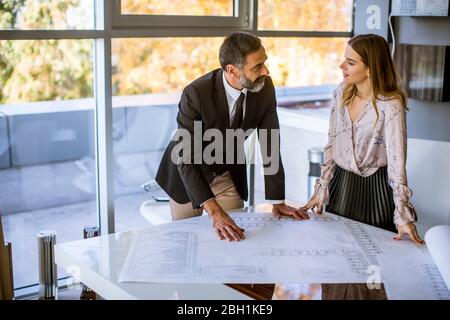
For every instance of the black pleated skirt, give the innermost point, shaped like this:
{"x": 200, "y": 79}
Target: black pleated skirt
{"x": 364, "y": 199}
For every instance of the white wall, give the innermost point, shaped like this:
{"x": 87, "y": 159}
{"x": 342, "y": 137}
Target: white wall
{"x": 428, "y": 169}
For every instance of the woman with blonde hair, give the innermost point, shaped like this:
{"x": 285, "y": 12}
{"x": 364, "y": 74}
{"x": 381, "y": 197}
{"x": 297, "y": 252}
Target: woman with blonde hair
{"x": 364, "y": 172}
{"x": 363, "y": 176}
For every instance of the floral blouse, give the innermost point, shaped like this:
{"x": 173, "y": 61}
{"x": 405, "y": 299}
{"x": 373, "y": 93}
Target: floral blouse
{"x": 362, "y": 148}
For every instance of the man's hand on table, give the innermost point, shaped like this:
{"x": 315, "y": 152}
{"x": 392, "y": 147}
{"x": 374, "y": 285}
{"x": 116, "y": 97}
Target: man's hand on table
{"x": 226, "y": 229}
{"x": 224, "y": 226}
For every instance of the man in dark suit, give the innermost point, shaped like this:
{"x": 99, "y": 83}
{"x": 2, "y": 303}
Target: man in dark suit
{"x": 237, "y": 98}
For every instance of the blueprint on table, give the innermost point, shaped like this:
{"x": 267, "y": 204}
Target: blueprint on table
{"x": 324, "y": 249}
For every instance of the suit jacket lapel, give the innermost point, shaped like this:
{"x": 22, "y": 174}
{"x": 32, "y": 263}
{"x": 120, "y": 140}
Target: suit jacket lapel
{"x": 221, "y": 101}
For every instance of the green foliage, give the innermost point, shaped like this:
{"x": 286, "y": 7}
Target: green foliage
{"x": 166, "y": 65}
{"x": 36, "y": 70}
{"x": 46, "y": 70}
{"x": 8, "y": 12}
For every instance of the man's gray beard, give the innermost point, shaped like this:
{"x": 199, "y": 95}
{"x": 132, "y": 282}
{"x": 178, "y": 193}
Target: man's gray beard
{"x": 252, "y": 86}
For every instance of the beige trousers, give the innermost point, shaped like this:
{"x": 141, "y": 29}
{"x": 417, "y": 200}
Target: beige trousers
{"x": 224, "y": 191}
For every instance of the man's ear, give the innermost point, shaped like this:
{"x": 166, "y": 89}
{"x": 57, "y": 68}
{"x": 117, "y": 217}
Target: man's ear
{"x": 233, "y": 71}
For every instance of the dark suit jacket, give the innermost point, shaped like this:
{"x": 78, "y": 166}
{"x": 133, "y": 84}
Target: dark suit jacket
{"x": 205, "y": 100}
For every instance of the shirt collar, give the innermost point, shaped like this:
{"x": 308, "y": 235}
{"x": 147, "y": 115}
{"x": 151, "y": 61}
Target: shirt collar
{"x": 232, "y": 92}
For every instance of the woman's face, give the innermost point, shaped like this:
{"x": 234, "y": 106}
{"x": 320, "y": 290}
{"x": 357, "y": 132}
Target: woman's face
{"x": 353, "y": 69}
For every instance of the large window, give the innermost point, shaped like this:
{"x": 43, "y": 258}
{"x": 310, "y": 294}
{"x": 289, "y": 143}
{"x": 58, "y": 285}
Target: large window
{"x": 178, "y": 7}
{"x": 182, "y": 13}
{"x": 167, "y": 65}
{"x": 301, "y": 62}
{"x": 148, "y": 76}
{"x": 47, "y": 176}
{"x": 47, "y": 145}
{"x": 46, "y": 14}
{"x": 39, "y": 70}
{"x": 83, "y": 124}
{"x": 305, "y": 15}
{"x": 161, "y": 65}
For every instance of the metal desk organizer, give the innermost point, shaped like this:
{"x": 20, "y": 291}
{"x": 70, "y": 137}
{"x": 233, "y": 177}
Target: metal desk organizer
{"x": 48, "y": 280}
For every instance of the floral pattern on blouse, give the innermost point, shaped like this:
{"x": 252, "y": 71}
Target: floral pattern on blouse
{"x": 362, "y": 148}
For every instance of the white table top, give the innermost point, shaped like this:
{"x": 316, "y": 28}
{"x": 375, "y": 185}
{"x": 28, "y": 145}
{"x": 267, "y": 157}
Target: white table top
{"x": 97, "y": 262}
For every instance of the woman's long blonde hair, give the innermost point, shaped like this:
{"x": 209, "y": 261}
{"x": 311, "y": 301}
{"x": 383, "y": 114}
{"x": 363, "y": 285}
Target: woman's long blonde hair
{"x": 374, "y": 52}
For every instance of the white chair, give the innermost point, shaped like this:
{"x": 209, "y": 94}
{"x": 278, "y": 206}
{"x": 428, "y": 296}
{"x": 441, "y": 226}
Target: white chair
{"x": 156, "y": 212}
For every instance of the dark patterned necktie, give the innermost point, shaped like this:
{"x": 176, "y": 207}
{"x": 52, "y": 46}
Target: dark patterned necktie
{"x": 238, "y": 114}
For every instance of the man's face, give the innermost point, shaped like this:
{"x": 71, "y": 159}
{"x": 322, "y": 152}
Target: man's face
{"x": 254, "y": 73}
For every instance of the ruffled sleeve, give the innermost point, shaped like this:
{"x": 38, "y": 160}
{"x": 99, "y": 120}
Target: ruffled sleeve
{"x": 396, "y": 144}
{"x": 321, "y": 189}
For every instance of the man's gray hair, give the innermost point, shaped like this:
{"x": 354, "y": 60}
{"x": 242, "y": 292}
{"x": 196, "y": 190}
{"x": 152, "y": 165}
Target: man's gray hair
{"x": 236, "y": 47}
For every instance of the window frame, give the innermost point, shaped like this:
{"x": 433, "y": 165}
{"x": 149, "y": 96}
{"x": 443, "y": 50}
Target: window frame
{"x": 239, "y": 19}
